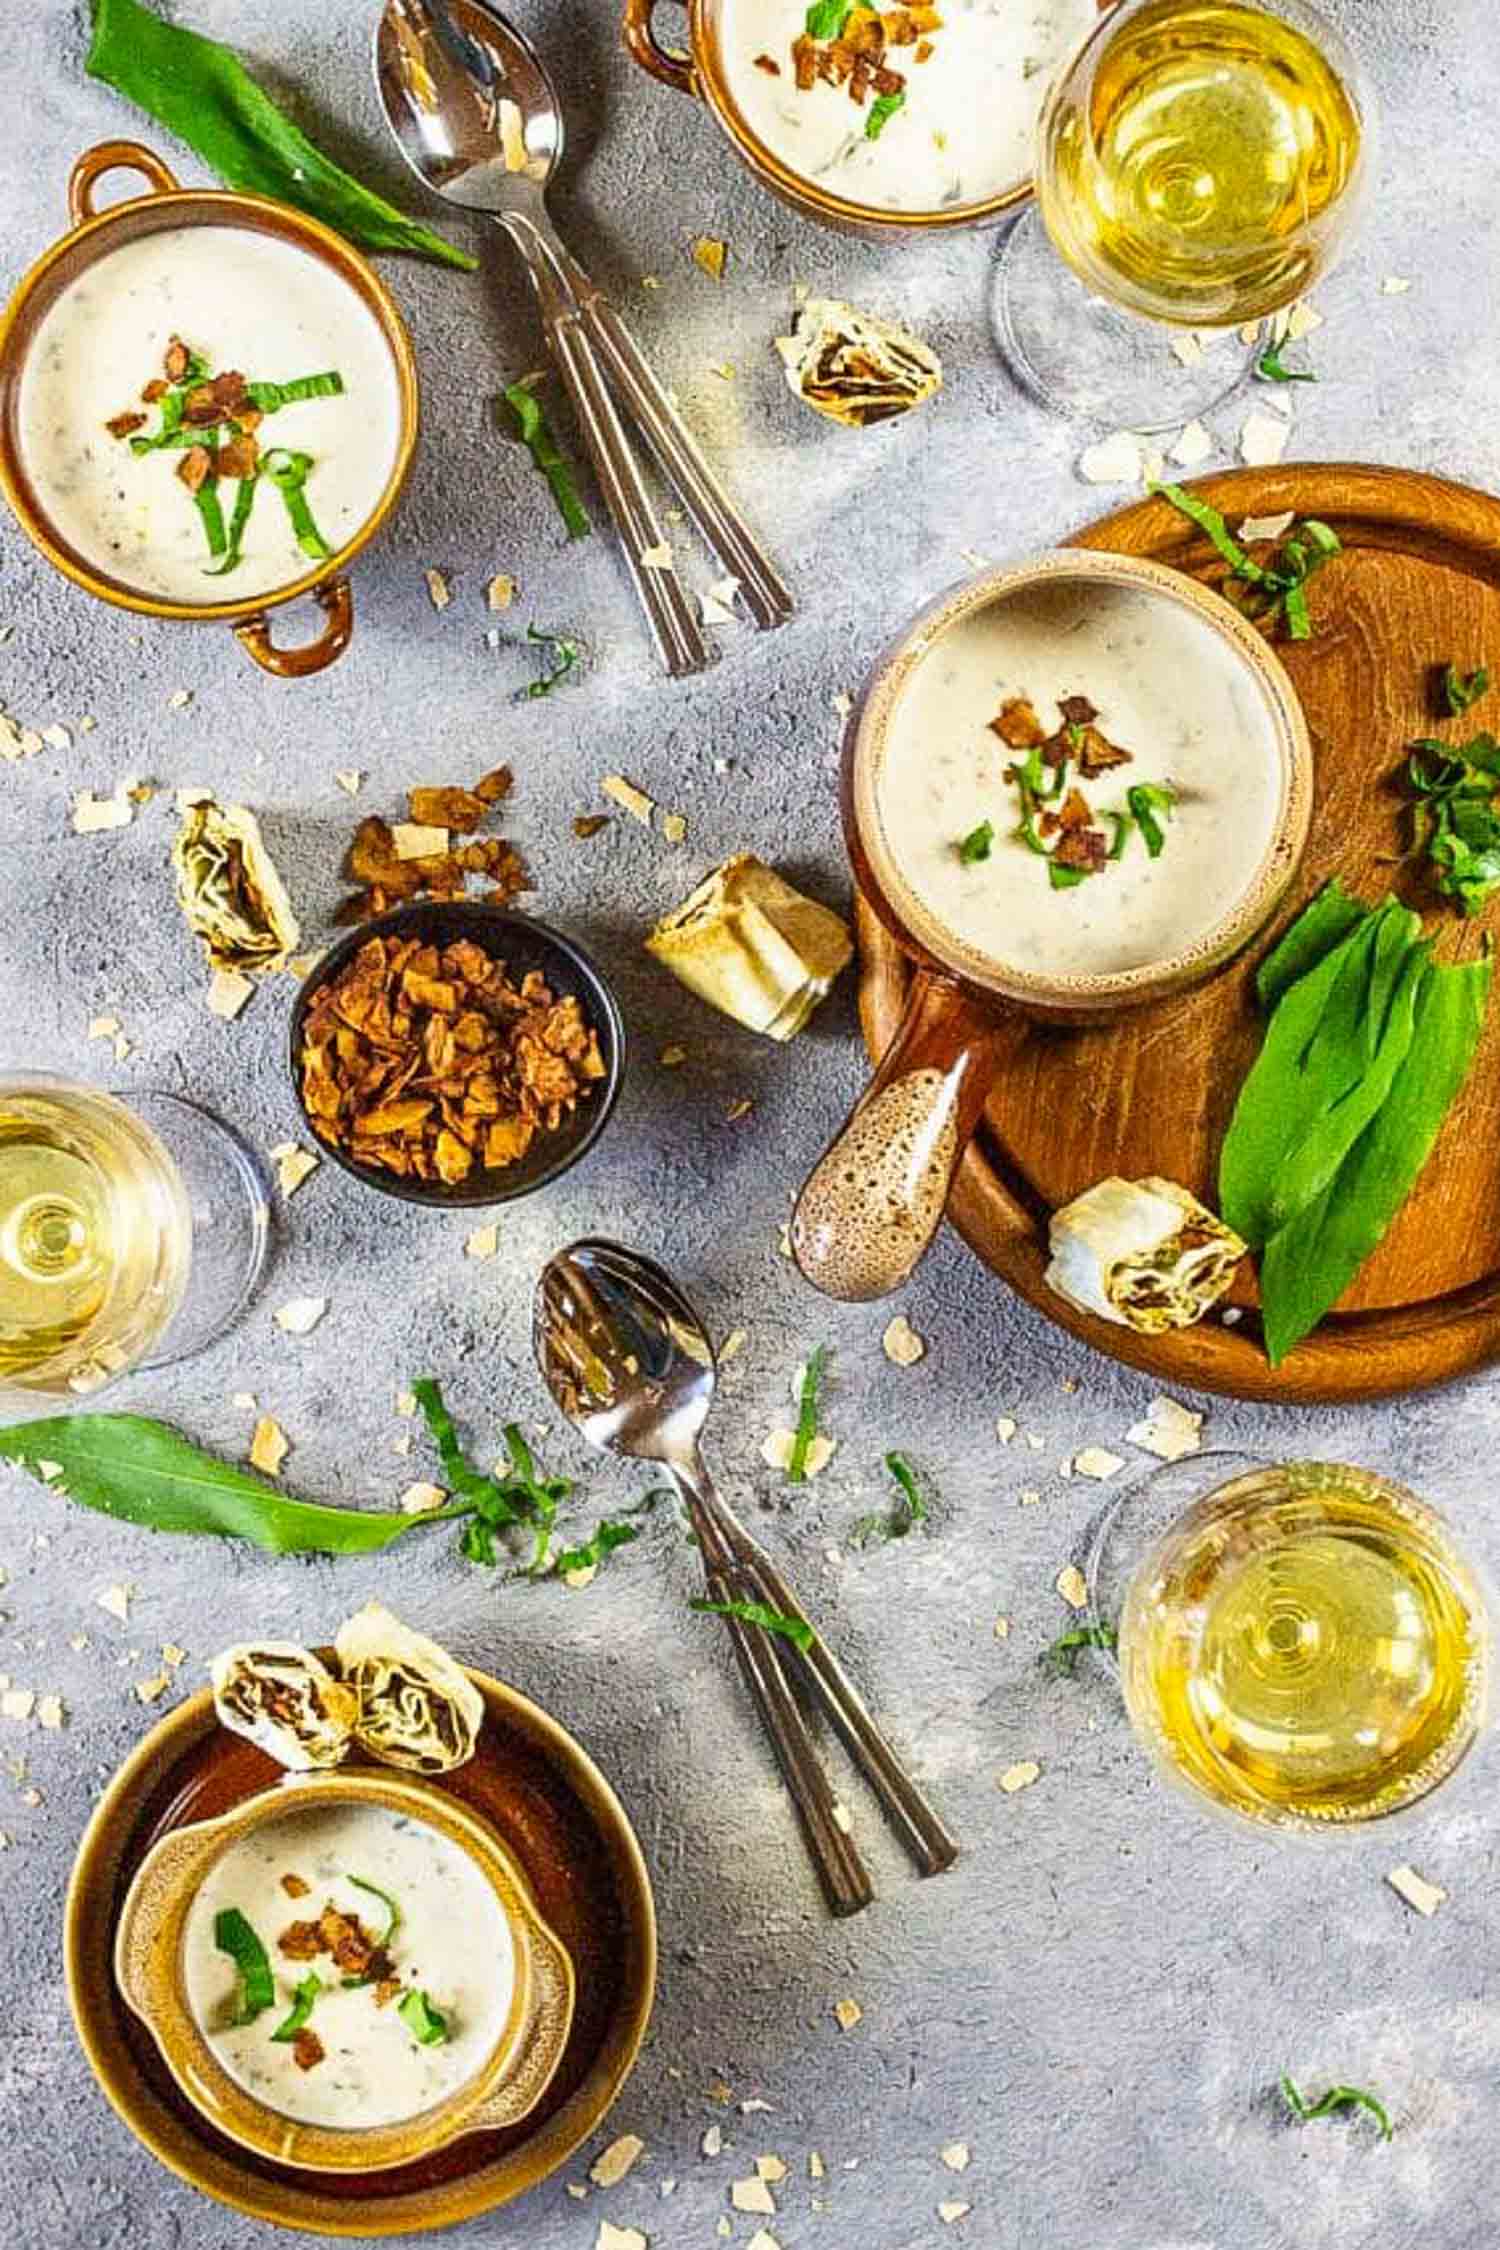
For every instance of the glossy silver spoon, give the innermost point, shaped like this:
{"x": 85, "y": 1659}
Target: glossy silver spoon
{"x": 477, "y": 118}
{"x": 629, "y": 1362}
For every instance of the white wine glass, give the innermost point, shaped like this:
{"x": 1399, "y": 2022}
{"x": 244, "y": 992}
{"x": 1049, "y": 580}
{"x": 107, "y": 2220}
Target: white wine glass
{"x": 1200, "y": 163}
{"x": 1301, "y": 1644}
{"x": 132, "y": 1234}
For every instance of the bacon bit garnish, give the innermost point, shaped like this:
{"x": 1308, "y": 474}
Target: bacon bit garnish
{"x": 769, "y": 65}
{"x": 294, "y": 1886}
{"x": 122, "y": 425}
{"x": 1096, "y": 753}
{"x": 200, "y": 407}
{"x": 887, "y": 81}
{"x": 155, "y": 389}
{"x": 178, "y": 360}
{"x": 386, "y": 1991}
{"x": 229, "y": 390}
{"x": 301, "y": 1941}
{"x": 805, "y": 63}
{"x": 864, "y": 33}
{"x": 248, "y": 418}
{"x": 1017, "y": 724}
{"x": 1084, "y": 848}
{"x": 240, "y": 457}
{"x": 195, "y": 467}
{"x": 1074, "y": 813}
{"x": 1077, "y": 711}
{"x": 307, "y": 2050}
{"x": 923, "y": 51}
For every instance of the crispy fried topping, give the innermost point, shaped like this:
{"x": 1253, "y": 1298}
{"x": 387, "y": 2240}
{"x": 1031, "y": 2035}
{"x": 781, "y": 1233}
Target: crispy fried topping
{"x": 1017, "y": 724}
{"x": 1085, "y": 848}
{"x": 177, "y": 361}
{"x": 429, "y": 1063}
{"x": 386, "y": 879}
{"x": 294, "y": 1886}
{"x": 769, "y": 65}
{"x": 307, "y": 2050}
{"x": 122, "y": 425}
{"x": 238, "y": 457}
{"x": 195, "y": 467}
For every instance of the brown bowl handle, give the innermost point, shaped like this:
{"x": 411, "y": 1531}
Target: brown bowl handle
{"x": 337, "y": 604}
{"x": 641, "y": 43}
{"x": 113, "y": 156}
{"x": 873, "y": 1201}
{"x": 549, "y": 2021}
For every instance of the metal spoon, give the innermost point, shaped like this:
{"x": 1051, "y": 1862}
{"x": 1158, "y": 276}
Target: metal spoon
{"x": 478, "y": 120}
{"x": 629, "y": 1362}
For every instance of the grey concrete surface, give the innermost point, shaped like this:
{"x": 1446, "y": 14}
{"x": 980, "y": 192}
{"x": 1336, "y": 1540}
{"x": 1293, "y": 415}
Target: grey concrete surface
{"x": 1100, "y": 1998}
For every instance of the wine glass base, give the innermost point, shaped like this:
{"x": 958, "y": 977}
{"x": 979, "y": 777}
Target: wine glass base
{"x": 1084, "y": 358}
{"x": 228, "y": 1192}
{"x": 1143, "y": 1513}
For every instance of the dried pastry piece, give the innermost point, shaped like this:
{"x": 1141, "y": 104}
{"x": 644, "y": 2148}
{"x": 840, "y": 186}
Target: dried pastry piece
{"x": 229, "y": 889}
{"x": 1143, "y": 1253}
{"x": 855, "y": 367}
{"x": 753, "y": 947}
{"x": 417, "y": 1707}
{"x": 286, "y": 1701}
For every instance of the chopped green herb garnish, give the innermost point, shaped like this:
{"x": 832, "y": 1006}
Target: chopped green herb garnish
{"x": 211, "y": 515}
{"x": 427, "y": 2024}
{"x": 882, "y": 110}
{"x": 498, "y": 1502}
{"x": 1277, "y": 586}
{"x": 827, "y": 18}
{"x": 563, "y": 653}
{"x": 302, "y": 2007}
{"x": 1063, "y": 1652}
{"x": 1123, "y": 822}
{"x": 1456, "y": 824}
{"x": 1337, "y": 2098}
{"x": 1270, "y": 368}
{"x": 393, "y": 1911}
{"x": 244, "y": 501}
{"x": 1146, "y": 799}
{"x": 795, "y": 1629}
{"x": 1064, "y": 878}
{"x": 976, "y": 845}
{"x": 257, "y": 1988}
{"x": 1462, "y": 690}
{"x": 910, "y": 1509}
{"x": 271, "y": 397}
{"x": 289, "y": 472}
{"x": 594, "y": 1551}
{"x": 535, "y": 433}
{"x": 807, "y": 1414}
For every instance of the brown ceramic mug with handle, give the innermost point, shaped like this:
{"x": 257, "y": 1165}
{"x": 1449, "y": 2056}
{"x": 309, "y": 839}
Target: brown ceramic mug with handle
{"x": 874, "y": 1200}
{"x": 164, "y": 206}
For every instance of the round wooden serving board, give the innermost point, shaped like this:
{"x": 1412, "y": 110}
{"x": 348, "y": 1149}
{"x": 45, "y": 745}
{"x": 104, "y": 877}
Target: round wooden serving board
{"x": 1418, "y": 585}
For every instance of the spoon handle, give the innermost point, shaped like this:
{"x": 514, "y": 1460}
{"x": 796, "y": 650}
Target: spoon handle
{"x": 675, "y": 629}
{"x": 762, "y": 587}
{"x": 845, "y": 1879}
{"x": 930, "y": 1843}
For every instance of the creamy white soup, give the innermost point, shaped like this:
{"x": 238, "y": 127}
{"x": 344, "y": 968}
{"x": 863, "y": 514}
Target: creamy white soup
{"x": 451, "y": 1945}
{"x": 965, "y": 113}
{"x": 242, "y": 302}
{"x": 1169, "y": 691}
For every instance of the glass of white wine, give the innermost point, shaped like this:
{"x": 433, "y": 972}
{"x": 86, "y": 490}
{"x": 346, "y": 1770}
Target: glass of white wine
{"x": 1199, "y": 163}
{"x": 131, "y": 1235}
{"x": 1303, "y": 1645}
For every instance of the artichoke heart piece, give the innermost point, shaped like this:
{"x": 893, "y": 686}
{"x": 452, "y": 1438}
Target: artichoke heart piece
{"x": 855, "y": 367}
{"x": 1145, "y": 1254}
{"x": 418, "y": 1708}
{"x": 753, "y": 947}
{"x": 286, "y": 1701}
{"x": 229, "y": 889}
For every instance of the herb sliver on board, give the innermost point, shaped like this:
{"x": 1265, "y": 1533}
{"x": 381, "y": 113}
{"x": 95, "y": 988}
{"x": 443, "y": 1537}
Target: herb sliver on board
{"x": 1274, "y": 591}
{"x": 1455, "y": 823}
{"x": 202, "y": 92}
{"x": 1369, "y": 1042}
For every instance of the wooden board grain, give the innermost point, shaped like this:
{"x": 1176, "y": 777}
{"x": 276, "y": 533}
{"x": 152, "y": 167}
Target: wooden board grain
{"x": 1418, "y": 584}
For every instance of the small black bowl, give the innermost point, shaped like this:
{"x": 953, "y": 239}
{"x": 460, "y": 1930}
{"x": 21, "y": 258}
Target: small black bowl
{"x": 521, "y": 944}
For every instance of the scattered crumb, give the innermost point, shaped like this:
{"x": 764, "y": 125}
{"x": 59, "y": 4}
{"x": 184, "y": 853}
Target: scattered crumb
{"x": 437, "y": 589}
{"x": 956, "y": 2156}
{"x": 610, "y": 2168}
{"x": 293, "y": 1165}
{"x": 1002, "y": 1628}
{"x": 151, "y": 1691}
{"x": 740, "y": 1107}
{"x": 1113, "y": 460}
{"x": 776, "y": 1452}
{"x": 671, "y": 1057}
{"x": 350, "y": 779}
{"x": 589, "y": 824}
{"x": 483, "y": 1242}
{"x": 674, "y": 827}
{"x": 1301, "y": 320}
{"x": 951, "y": 2213}
{"x": 732, "y": 1346}
{"x": 500, "y": 592}
{"x": 712, "y": 2143}
{"x": 227, "y": 993}
{"x": 753, "y": 2195}
{"x": 1005, "y": 1428}
{"x": 116, "y": 1601}
{"x": 419, "y": 1499}
{"x": 1187, "y": 346}
{"x": 1194, "y": 444}
{"x": 771, "y": 2169}
{"x": 1071, "y": 1584}
{"x": 1394, "y": 285}
{"x": 620, "y": 2238}
{"x": 17, "y": 1703}
{"x": 245, "y": 1401}
{"x": 1422, "y": 1897}
{"x": 1020, "y": 1776}
{"x": 269, "y": 1446}
{"x": 816, "y": 2168}
{"x": 418, "y": 839}
{"x": 659, "y": 557}
{"x": 847, "y": 2013}
{"x": 1263, "y": 439}
{"x": 1168, "y": 1430}
{"x": 629, "y": 799}
{"x": 50, "y": 1712}
{"x": 710, "y": 255}
{"x": 761, "y": 2240}
{"x": 1096, "y": 1462}
{"x": 842, "y": 703}
{"x": 299, "y": 1316}
{"x": 179, "y": 699}
{"x": 1267, "y": 527}
{"x": 92, "y": 814}
{"x": 406, "y": 1404}
{"x": 901, "y": 1343}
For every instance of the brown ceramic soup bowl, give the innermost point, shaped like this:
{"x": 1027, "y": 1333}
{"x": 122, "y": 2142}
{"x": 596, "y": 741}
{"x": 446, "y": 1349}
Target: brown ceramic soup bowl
{"x": 700, "y": 71}
{"x": 874, "y": 1200}
{"x": 165, "y": 207}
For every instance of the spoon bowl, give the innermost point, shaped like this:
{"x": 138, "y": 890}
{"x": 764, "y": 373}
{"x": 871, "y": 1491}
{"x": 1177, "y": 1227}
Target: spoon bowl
{"x": 464, "y": 92}
{"x": 626, "y": 1358}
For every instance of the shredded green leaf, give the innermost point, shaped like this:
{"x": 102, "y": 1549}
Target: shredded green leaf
{"x": 498, "y": 1502}
{"x": 562, "y": 651}
{"x": 393, "y": 1910}
{"x": 595, "y": 1551}
{"x": 257, "y": 1988}
{"x": 201, "y": 91}
{"x": 1146, "y": 799}
{"x": 289, "y": 472}
{"x": 882, "y": 109}
{"x": 271, "y": 397}
{"x": 1277, "y": 588}
{"x": 1462, "y": 690}
{"x": 807, "y": 1414}
{"x": 827, "y": 18}
{"x": 910, "y": 1509}
{"x": 1337, "y": 2098}
{"x": 795, "y": 1629}
{"x": 211, "y": 515}
{"x": 427, "y": 2024}
{"x": 976, "y": 845}
{"x": 302, "y": 2007}
{"x": 1271, "y": 368}
{"x": 244, "y": 501}
{"x": 1062, "y": 1654}
{"x": 535, "y": 433}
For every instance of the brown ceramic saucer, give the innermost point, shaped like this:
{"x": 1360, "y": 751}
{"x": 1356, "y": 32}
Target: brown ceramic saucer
{"x": 560, "y": 1819}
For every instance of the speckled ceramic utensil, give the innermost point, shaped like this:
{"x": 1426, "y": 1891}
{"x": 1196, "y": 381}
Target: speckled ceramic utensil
{"x": 629, "y": 1362}
{"x": 477, "y": 118}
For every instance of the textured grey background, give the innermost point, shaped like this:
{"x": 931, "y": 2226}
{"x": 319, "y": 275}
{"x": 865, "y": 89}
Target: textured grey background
{"x": 1100, "y": 1997}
